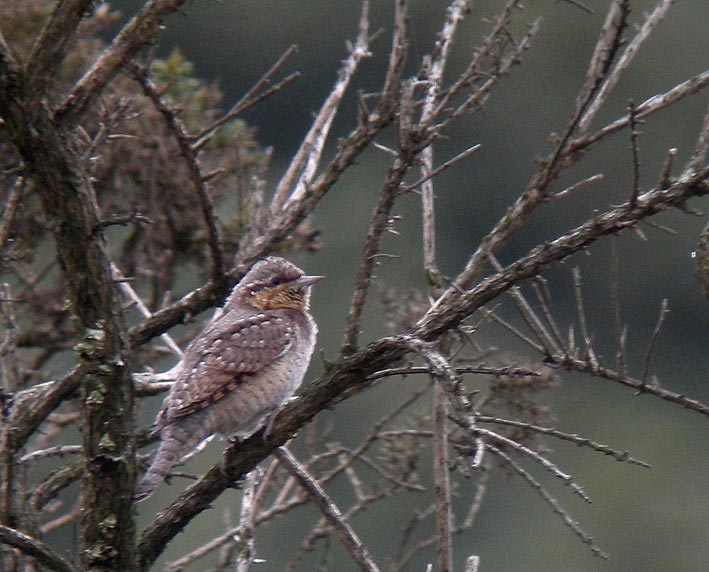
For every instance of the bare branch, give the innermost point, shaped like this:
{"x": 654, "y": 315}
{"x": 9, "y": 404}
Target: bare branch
{"x": 50, "y": 46}
{"x": 552, "y": 502}
{"x": 34, "y": 548}
{"x": 622, "y": 456}
{"x": 631, "y": 50}
{"x": 344, "y": 531}
{"x": 700, "y": 150}
{"x": 599, "y": 371}
{"x": 634, "y": 135}
{"x": 581, "y": 313}
{"x": 653, "y": 339}
{"x": 132, "y": 295}
{"x": 249, "y": 99}
{"x": 651, "y": 105}
{"x": 604, "y": 52}
{"x": 618, "y": 328}
{"x": 496, "y": 371}
{"x": 246, "y": 555}
{"x": 189, "y": 156}
{"x": 543, "y": 461}
{"x": 441, "y": 477}
{"x": 302, "y": 168}
{"x": 132, "y": 38}
{"x": 377, "y": 227}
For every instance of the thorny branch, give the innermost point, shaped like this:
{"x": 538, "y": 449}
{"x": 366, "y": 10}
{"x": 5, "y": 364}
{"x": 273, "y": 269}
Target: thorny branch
{"x": 78, "y": 137}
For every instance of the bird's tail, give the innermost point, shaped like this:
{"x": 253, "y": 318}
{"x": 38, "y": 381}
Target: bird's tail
{"x": 176, "y": 441}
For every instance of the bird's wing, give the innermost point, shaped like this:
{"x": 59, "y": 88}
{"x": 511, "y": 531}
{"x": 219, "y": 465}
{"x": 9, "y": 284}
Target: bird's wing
{"x": 224, "y": 357}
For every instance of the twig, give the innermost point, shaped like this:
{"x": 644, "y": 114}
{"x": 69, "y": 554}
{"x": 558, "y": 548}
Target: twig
{"x": 332, "y": 514}
{"x": 576, "y": 186}
{"x": 130, "y": 293}
{"x": 651, "y": 105}
{"x": 701, "y": 148}
{"x": 438, "y": 170}
{"x": 618, "y": 329}
{"x": 624, "y": 60}
{"x": 529, "y": 315}
{"x": 302, "y": 168}
{"x": 666, "y": 173}
{"x": 250, "y": 98}
{"x": 133, "y": 37}
{"x": 473, "y": 69}
{"x": 605, "y": 50}
{"x": 581, "y": 313}
{"x": 552, "y": 502}
{"x": 622, "y": 456}
{"x": 543, "y": 297}
{"x": 377, "y": 226}
{"x": 49, "y": 48}
{"x": 434, "y": 79}
{"x": 481, "y": 94}
{"x": 189, "y": 157}
{"x": 477, "y": 500}
{"x": 567, "y": 479}
{"x": 573, "y": 364}
{"x": 459, "y": 369}
{"x": 515, "y": 331}
{"x": 634, "y": 135}
{"x": 57, "y": 451}
{"x": 653, "y": 339}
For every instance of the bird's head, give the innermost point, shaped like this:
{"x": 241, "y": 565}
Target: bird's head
{"x": 274, "y": 283}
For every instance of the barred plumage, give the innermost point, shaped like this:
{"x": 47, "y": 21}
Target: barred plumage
{"x": 249, "y": 359}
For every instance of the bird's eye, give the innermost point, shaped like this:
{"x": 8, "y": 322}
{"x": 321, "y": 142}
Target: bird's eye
{"x": 276, "y": 281}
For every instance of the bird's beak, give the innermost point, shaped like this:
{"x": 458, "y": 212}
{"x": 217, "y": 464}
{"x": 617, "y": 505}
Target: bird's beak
{"x": 306, "y": 281}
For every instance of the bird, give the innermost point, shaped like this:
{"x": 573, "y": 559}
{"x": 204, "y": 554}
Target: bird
{"x": 243, "y": 366}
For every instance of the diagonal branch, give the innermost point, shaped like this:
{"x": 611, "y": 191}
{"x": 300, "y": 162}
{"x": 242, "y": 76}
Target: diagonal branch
{"x": 50, "y": 47}
{"x": 301, "y": 170}
{"x": 34, "y": 548}
{"x": 134, "y": 36}
{"x": 343, "y": 530}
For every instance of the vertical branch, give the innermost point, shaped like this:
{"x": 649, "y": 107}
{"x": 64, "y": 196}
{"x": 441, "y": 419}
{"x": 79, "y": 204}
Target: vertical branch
{"x": 247, "y": 554}
{"x": 8, "y": 358}
{"x": 441, "y": 477}
{"x": 64, "y": 192}
{"x": 581, "y": 312}
{"x": 12, "y": 202}
{"x": 634, "y": 134}
{"x": 370, "y": 252}
{"x": 50, "y": 47}
{"x": 618, "y": 328}
{"x": 653, "y": 339}
{"x": 441, "y": 462}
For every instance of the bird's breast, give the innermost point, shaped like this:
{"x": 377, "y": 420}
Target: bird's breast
{"x": 244, "y": 410}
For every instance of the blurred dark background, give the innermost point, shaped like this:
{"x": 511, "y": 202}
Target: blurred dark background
{"x": 651, "y": 520}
